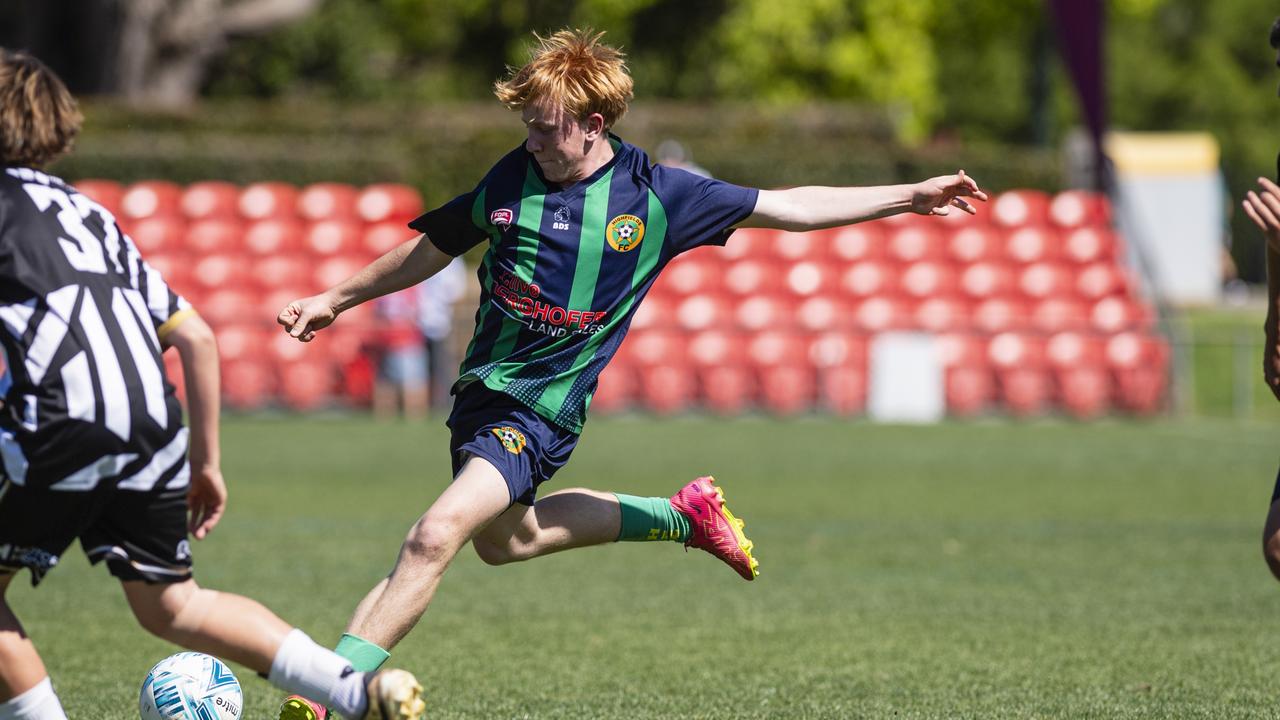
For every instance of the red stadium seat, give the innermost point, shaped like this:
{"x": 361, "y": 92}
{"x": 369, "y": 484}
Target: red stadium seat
{"x": 150, "y": 198}
{"x": 388, "y": 202}
{"x": 1025, "y": 391}
{"x": 616, "y": 390}
{"x": 654, "y": 347}
{"x": 1042, "y": 280}
{"x": 942, "y": 314}
{"x": 210, "y": 199}
{"x": 787, "y": 389}
{"x": 666, "y": 388}
{"x": 962, "y": 349}
{"x": 1089, "y": 245}
{"x": 1010, "y": 350}
{"x": 1077, "y": 208}
{"x": 970, "y": 244}
{"x": 1139, "y": 366}
{"x": 655, "y": 311}
{"x": 336, "y": 269}
{"x": 690, "y": 274}
{"x": 1083, "y": 391}
{"x": 761, "y": 312}
{"x": 241, "y": 340}
{"x": 332, "y": 237}
{"x": 107, "y": 193}
{"x": 261, "y": 201}
{"x": 206, "y": 237}
{"x": 220, "y": 270}
{"x": 858, "y": 242}
{"x": 808, "y": 278}
{"x": 308, "y": 384}
{"x": 794, "y": 247}
{"x": 716, "y": 347}
{"x": 284, "y": 349}
{"x": 1018, "y": 208}
{"x": 1113, "y": 314}
{"x": 1032, "y": 244}
{"x": 928, "y": 279}
{"x": 156, "y": 234}
{"x": 229, "y": 306}
{"x": 751, "y": 277}
{"x": 998, "y": 314}
{"x": 704, "y": 311}
{"x": 272, "y": 301}
{"x": 326, "y": 201}
{"x": 1056, "y": 314}
{"x": 378, "y": 239}
{"x": 344, "y": 342}
{"x": 283, "y": 270}
{"x": 914, "y": 243}
{"x": 1067, "y": 350}
{"x": 174, "y": 374}
{"x": 777, "y": 347}
{"x": 823, "y": 312}
{"x": 869, "y": 279}
{"x": 1101, "y": 279}
{"x": 837, "y": 349}
{"x": 727, "y": 389}
{"x": 983, "y": 280}
{"x": 748, "y": 243}
{"x": 273, "y": 237}
{"x": 877, "y": 314}
{"x": 247, "y": 383}
{"x": 843, "y": 390}
{"x": 175, "y": 268}
{"x": 969, "y": 389}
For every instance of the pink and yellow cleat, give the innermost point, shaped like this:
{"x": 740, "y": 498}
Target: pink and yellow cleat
{"x": 715, "y": 529}
{"x": 393, "y": 695}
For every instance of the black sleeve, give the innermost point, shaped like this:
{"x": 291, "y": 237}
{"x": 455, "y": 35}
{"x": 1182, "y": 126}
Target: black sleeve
{"x": 452, "y": 227}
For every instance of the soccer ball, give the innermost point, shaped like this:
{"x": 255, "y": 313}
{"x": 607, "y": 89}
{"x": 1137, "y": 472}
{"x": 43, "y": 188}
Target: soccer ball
{"x": 190, "y": 686}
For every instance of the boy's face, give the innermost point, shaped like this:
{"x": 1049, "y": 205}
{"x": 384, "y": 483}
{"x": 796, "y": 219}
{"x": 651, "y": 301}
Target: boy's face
{"x": 559, "y": 141}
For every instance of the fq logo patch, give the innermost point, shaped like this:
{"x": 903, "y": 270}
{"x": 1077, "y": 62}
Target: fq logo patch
{"x": 512, "y": 439}
{"x": 501, "y": 216}
{"x": 624, "y": 232}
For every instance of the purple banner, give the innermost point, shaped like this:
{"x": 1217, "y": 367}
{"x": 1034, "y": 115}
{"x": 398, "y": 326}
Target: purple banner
{"x": 1079, "y": 25}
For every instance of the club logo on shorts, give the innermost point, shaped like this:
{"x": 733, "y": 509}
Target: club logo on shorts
{"x": 624, "y": 232}
{"x": 501, "y": 216}
{"x": 512, "y": 439}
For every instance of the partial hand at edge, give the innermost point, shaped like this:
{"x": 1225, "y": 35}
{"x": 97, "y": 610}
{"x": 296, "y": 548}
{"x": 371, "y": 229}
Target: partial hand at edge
{"x": 937, "y": 195}
{"x": 206, "y": 500}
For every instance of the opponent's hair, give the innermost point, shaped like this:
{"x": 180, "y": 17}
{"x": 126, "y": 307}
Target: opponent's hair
{"x": 39, "y": 119}
{"x": 574, "y": 69}
{"x": 1275, "y": 34}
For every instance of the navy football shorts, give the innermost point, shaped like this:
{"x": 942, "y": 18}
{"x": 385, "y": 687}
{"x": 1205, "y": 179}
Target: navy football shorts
{"x": 525, "y": 447}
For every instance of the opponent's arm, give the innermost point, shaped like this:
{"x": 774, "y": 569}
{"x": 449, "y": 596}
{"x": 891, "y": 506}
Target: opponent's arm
{"x": 407, "y": 264}
{"x": 814, "y": 208}
{"x": 1263, "y": 207}
{"x": 198, "y": 350}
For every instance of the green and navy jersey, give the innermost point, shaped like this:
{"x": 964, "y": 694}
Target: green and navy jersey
{"x": 567, "y": 267}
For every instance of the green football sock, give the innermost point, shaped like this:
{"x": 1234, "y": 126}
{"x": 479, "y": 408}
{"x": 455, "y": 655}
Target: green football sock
{"x": 651, "y": 518}
{"x": 364, "y": 655}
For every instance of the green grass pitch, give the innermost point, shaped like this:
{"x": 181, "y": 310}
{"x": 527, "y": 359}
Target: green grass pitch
{"x": 1042, "y": 570}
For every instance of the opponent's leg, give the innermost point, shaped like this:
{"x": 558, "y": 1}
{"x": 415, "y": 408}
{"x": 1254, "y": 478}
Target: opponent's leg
{"x": 476, "y": 497}
{"x": 695, "y": 516}
{"x": 25, "y": 690}
{"x": 240, "y": 629}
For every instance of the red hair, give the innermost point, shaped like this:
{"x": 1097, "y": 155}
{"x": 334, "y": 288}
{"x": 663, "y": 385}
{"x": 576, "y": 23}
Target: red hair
{"x": 573, "y": 69}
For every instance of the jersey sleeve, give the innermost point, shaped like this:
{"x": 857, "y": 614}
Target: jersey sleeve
{"x": 166, "y": 308}
{"x": 700, "y": 210}
{"x": 452, "y": 227}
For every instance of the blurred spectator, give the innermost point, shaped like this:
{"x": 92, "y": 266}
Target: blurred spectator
{"x": 436, "y": 298}
{"x": 401, "y": 380}
{"x": 673, "y": 153}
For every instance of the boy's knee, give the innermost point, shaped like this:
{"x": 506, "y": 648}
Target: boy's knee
{"x": 502, "y": 552}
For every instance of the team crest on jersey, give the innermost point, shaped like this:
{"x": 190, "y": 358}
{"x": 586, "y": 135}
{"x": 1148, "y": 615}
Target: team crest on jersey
{"x": 512, "y": 439}
{"x": 501, "y": 216}
{"x": 624, "y": 232}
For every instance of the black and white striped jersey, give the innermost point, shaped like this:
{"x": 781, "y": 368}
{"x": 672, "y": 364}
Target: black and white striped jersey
{"x": 86, "y": 400}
